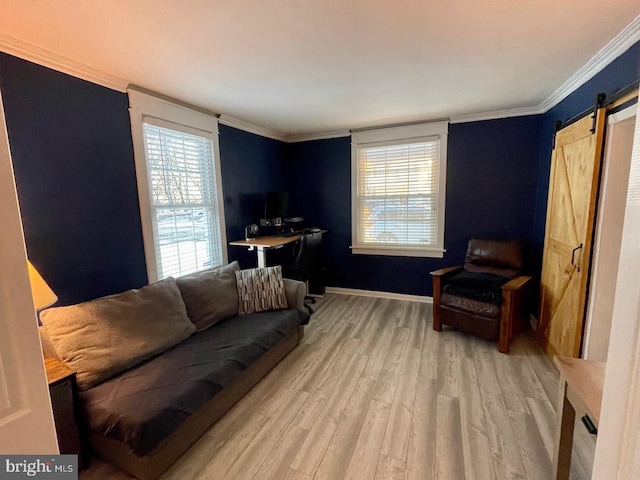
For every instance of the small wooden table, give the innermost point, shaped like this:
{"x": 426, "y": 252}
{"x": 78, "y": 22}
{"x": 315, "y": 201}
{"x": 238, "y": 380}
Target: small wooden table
{"x": 581, "y": 385}
{"x": 62, "y": 389}
{"x": 262, "y": 244}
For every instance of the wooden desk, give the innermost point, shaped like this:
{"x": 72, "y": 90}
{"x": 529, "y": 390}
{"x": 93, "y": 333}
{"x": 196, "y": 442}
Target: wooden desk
{"x": 581, "y": 385}
{"x": 262, "y": 244}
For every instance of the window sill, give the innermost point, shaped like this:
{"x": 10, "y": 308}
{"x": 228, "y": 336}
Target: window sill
{"x": 398, "y": 251}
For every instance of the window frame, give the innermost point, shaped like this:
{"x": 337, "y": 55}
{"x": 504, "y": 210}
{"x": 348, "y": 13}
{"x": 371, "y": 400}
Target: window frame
{"x": 398, "y": 135}
{"x": 144, "y": 108}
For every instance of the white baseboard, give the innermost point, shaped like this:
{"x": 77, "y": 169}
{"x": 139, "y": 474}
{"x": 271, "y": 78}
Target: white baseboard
{"x": 376, "y": 294}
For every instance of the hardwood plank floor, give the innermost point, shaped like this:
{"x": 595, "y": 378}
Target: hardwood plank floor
{"x": 373, "y": 393}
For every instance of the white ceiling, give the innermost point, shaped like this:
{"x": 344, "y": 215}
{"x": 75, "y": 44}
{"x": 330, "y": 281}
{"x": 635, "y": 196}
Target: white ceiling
{"x": 308, "y": 66}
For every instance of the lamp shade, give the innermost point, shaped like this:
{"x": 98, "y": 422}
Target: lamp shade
{"x": 43, "y": 296}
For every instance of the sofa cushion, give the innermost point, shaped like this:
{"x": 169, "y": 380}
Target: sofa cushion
{"x": 260, "y": 289}
{"x": 211, "y": 295}
{"x": 144, "y": 405}
{"x": 103, "y": 337}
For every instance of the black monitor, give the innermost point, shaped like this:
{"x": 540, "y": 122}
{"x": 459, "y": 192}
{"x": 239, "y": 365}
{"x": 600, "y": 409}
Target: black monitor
{"x": 276, "y": 205}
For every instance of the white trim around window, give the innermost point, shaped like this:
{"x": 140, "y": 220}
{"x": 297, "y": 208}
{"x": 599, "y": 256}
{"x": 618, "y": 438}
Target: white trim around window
{"x": 160, "y": 113}
{"x": 398, "y": 188}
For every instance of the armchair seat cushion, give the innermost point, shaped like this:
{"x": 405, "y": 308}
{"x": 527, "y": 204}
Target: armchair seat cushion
{"x": 470, "y": 306}
{"x": 483, "y": 287}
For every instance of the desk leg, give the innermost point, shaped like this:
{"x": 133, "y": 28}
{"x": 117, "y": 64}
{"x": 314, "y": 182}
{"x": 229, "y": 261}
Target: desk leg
{"x": 262, "y": 257}
{"x": 564, "y": 435}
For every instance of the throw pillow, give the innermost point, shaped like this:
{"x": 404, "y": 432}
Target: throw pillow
{"x": 103, "y": 337}
{"x": 260, "y": 289}
{"x": 210, "y": 295}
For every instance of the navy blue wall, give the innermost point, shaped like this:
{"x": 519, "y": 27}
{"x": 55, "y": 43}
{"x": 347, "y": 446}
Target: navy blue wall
{"x": 491, "y": 181}
{"x": 617, "y": 75}
{"x": 491, "y": 185}
{"x": 322, "y": 192}
{"x": 73, "y": 160}
{"x": 251, "y": 166}
{"x": 75, "y": 174}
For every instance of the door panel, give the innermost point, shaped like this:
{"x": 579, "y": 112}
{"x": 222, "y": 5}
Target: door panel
{"x": 608, "y": 237}
{"x": 26, "y": 419}
{"x": 568, "y": 238}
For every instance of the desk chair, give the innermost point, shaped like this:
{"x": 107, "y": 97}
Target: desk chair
{"x": 304, "y": 261}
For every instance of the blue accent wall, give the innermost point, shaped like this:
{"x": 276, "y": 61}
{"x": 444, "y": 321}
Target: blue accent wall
{"x": 491, "y": 185}
{"x": 497, "y": 182}
{"x": 321, "y": 190}
{"x": 491, "y": 182}
{"x": 251, "y": 165}
{"x": 497, "y": 185}
{"x": 619, "y": 74}
{"x": 72, "y": 154}
{"x": 75, "y": 173}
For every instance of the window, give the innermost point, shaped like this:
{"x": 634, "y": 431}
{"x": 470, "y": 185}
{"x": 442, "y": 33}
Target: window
{"x": 179, "y": 187}
{"x": 398, "y": 190}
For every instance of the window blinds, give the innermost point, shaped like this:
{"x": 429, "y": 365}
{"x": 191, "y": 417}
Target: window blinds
{"x": 397, "y": 193}
{"x": 182, "y": 189}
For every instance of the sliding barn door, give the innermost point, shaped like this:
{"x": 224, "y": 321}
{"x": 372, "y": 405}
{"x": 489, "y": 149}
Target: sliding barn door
{"x": 573, "y": 188}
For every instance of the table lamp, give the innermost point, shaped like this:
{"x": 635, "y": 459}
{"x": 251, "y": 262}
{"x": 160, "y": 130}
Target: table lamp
{"x": 43, "y": 296}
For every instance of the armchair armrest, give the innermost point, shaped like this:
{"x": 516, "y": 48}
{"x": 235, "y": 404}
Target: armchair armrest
{"x": 444, "y": 271}
{"x": 436, "y": 277}
{"x": 295, "y": 292}
{"x": 517, "y": 283}
{"x": 514, "y": 309}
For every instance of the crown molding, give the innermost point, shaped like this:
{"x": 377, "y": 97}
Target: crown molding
{"x": 616, "y": 47}
{"x": 318, "y": 136}
{"x": 612, "y": 50}
{"x": 137, "y": 89}
{"x": 497, "y": 114}
{"x": 265, "y": 132}
{"x": 48, "y": 59}
{"x": 251, "y": 128}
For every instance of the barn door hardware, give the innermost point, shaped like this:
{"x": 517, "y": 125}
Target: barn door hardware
{"x": 599, "y": 104}
{"x": 558, "y": 127}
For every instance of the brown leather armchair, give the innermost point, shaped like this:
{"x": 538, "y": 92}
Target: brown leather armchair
{"x": 487, "y": 296}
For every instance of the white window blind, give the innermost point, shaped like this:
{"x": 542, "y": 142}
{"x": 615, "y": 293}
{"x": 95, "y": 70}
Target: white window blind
{"x": 182, "y": 189}
{"x": 398, "y": 194}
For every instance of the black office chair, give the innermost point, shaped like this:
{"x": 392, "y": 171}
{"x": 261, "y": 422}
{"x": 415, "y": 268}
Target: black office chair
{"x": 304, "y": 263}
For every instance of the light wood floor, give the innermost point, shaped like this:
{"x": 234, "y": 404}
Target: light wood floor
{"x": 373, "y": 392}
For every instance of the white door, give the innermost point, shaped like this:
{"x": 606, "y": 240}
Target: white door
{"x": 26, "y": 420}
{"x": 608, "y": 236}
{"x": 618, "y": 446}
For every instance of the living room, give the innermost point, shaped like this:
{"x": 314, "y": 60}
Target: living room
{"x": 73, "y": 159}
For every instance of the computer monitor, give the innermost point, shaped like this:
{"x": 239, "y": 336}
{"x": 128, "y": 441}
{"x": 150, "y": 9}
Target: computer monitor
{"x": 276, "y": 205}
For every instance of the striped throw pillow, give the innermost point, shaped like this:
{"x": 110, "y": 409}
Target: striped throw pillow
{"x": 260, "y": 289}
